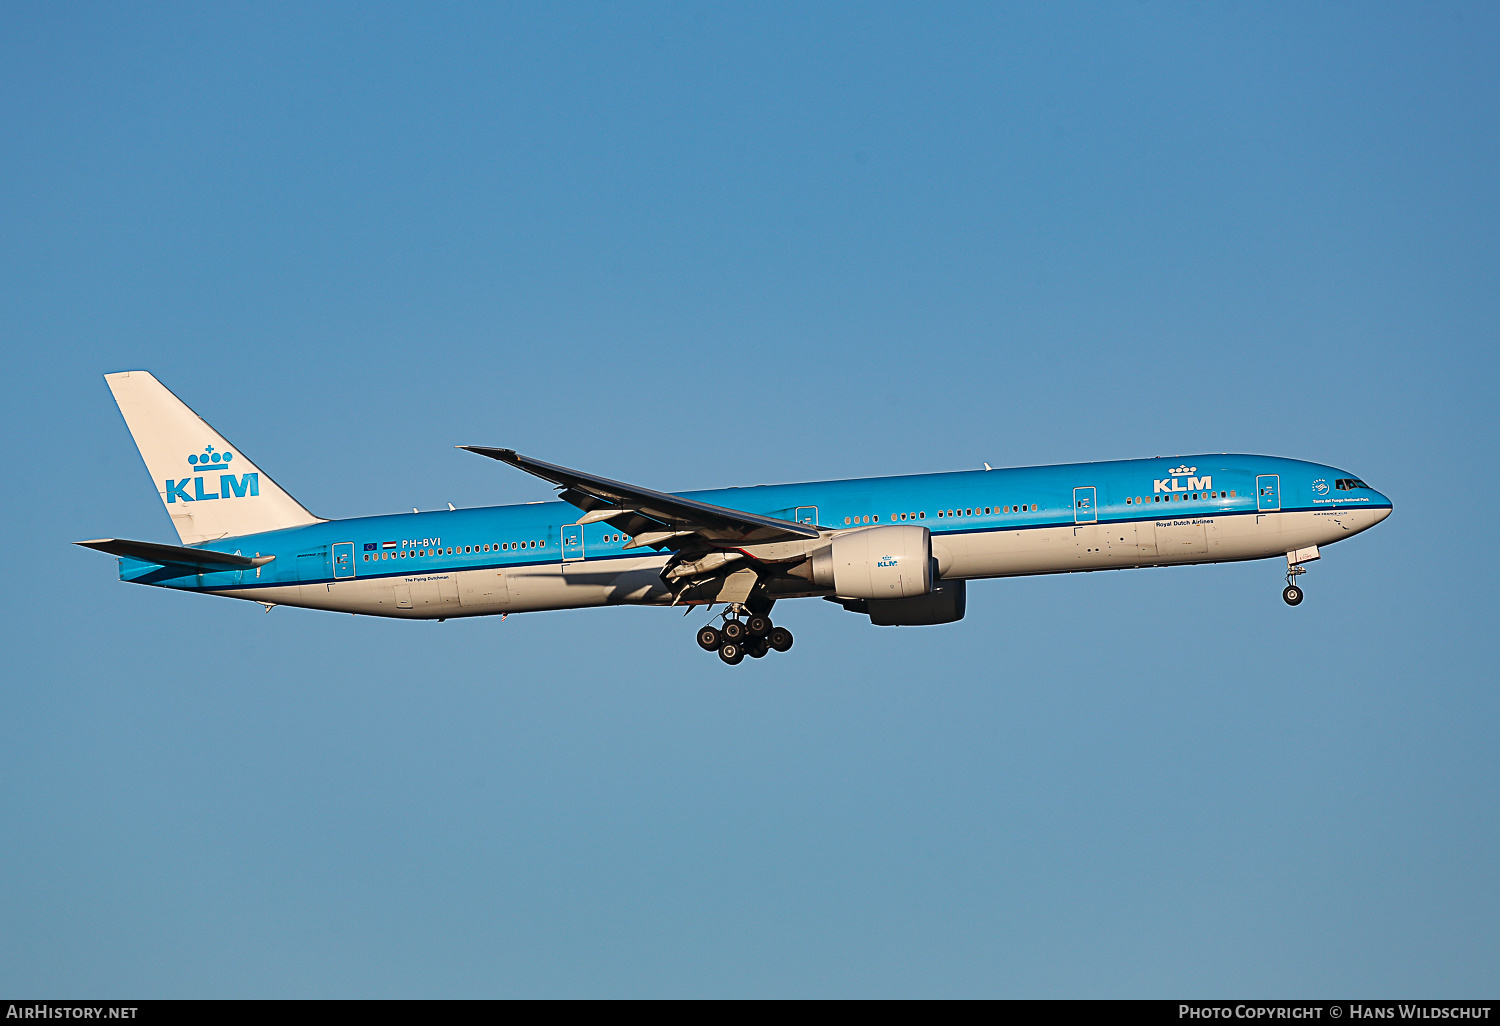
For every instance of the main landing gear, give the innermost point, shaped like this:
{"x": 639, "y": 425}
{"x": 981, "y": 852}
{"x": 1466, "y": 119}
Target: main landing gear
{"x": 753, "y": 636}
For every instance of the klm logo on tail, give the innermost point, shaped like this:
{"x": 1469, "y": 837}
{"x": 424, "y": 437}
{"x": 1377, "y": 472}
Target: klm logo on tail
{"x": 230, "y": 486}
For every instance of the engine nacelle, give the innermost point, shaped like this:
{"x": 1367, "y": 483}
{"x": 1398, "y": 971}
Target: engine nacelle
{"x": 893, "y": 562}
{"x": 944, "y": 604}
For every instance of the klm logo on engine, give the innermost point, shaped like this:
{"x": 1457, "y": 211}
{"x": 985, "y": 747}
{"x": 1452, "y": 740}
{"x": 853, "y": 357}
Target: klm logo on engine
{"x": 887, "y": 561}
{"x": 1174, "y": 483}
{"x": 230, "y": 486}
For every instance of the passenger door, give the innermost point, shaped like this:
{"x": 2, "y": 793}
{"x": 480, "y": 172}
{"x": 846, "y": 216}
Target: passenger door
{"x": 1084, "y": 510}
{"x": 1268, "y": 492}
{"x": 343, "y": 560}
{"x": 572, "y": 542}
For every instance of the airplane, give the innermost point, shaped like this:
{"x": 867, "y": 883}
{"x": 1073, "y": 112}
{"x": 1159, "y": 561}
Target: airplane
{"x": 900, "y": 550}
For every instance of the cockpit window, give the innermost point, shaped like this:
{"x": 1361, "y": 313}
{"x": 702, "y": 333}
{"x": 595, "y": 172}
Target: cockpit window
{"x": 1348, "y": 484}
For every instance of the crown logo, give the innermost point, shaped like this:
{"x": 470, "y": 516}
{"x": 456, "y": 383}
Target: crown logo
{"x": 1184, "y": 469}
{"x": 210, "y": 459}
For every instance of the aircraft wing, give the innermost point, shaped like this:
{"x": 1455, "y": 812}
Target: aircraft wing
{"x": 652, "y": 518}
{"x": 176, "y": 555}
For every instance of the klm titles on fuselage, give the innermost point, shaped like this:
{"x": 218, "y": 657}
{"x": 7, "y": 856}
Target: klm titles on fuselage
{"x": 230, "y": 486}
{"x": 1172, "y": 484}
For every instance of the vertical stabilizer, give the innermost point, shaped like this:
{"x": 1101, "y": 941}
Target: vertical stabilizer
{"x": 210, "y": 489}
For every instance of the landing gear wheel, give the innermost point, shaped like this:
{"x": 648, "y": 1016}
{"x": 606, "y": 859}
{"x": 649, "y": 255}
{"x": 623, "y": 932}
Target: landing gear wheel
{"x": 757, "y": 648}
{"x": 1292, "y": 595}
{"x": 733, "y": 631}
{"x": 758, "y": 626}
{"x": 780, "y": 639}
{"x": 709, "y": 640}
{"x": 731, "y": 652}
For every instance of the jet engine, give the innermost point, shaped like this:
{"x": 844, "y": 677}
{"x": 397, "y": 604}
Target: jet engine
{"x": 892, "y": 562}
{"x": 944, "y": 604}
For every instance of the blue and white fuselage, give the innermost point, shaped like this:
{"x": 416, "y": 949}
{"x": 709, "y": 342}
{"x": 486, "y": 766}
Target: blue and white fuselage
{"x": 893, "y": 546}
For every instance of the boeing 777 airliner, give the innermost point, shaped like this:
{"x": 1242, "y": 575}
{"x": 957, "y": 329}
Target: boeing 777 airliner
{"x": 897, "y": 549}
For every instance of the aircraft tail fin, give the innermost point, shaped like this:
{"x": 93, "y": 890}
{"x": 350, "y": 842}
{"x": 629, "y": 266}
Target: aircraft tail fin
{"x": 209, "y": 488}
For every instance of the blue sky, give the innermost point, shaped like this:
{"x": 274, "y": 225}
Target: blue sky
{"x": 693, "y": 246}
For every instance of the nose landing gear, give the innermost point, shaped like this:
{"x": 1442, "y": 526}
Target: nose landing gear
{"x": 1291, "y": 594}
{"x": 753, "y": 636}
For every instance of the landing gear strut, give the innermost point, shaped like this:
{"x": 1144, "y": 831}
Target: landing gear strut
{"x": 1291, "y": 594}
{"x": 736, "y": 638}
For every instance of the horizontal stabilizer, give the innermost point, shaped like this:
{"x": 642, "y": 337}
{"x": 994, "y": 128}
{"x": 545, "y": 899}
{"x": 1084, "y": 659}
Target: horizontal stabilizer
{"x": 175, "y": 555}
